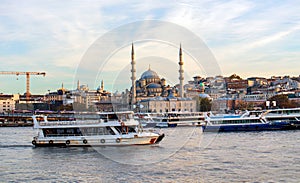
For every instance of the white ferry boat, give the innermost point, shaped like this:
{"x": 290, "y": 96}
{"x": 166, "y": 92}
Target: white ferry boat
{"x": 290, "y": 115}
{"x": 173, "y": 119}
{"x": 112, "y": 128}
{"x": 146, "y": 119}
{"x": 273, "y": 119}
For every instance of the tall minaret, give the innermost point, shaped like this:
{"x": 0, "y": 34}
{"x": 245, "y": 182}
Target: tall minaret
{"x": 181, "y": 72}
{"x": 102, "y": 85}
{"x": 133, "y": 77}
{"x": 78, "y": 85}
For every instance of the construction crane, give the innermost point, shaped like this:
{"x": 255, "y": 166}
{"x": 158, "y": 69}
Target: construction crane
{"x": 27, "y": 78}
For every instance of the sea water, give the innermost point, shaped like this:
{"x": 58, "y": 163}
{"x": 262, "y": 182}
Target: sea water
{"x": 185, "y": 155}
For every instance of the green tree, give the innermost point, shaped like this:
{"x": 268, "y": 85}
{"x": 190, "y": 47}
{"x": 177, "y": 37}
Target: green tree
{"x": 282, "y": 101}
{"x": 203, "y": 104}
{"x": 234, "y": 76}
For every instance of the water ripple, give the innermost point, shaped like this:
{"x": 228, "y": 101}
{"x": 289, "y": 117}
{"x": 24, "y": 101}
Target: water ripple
{"x": 230, "y": 157}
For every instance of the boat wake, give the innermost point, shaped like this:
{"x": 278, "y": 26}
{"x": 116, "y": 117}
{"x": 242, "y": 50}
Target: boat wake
{"x": 15, "y": 145}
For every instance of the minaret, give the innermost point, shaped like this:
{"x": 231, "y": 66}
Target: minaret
{"x": 102, "y": 85}
{"x": 181, "y": 72}
{"x": 133, "y": 77}
{"x": 78, "y": 85}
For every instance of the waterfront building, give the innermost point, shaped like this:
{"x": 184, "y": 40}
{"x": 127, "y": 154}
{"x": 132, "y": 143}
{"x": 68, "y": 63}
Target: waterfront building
{"x": 7, "y": 102}
{"x": 81, "y": 98}
{"x": 192, "y": 89}
{"x": 167, "y": 104}
{"x": 236, "y": 84}
{"x": 216, "y": 87}
{"x": 256, "y": 81}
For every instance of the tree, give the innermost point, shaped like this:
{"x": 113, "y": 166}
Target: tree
{"x": 203, "y": 104}
{"x": 242, "y": 105}
{"x": 234, "y": 76}
{"x": 282, "y": 101}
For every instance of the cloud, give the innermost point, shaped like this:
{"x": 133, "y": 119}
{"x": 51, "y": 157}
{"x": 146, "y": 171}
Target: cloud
{"x": 239, "y": 32}
{"x": 243, "y": 35}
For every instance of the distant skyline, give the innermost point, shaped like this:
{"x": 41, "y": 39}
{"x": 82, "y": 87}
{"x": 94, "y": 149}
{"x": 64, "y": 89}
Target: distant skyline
{"x": 249, "y": 38}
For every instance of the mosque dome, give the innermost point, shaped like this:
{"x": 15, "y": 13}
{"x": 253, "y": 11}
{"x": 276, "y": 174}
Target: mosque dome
{"x": 149, "y": 74}
{"x": 154, "y": 85}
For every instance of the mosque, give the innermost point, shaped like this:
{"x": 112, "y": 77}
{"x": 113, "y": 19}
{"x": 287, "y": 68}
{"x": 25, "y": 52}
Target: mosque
{"x": 150, "y": 85}
{"x": 154, "y": 95}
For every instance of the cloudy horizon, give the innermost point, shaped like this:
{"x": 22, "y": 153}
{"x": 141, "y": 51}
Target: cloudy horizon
{"x": 249, "y": 38}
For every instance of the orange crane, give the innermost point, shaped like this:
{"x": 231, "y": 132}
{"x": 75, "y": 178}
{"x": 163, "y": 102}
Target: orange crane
{"x": 27, "y": 78}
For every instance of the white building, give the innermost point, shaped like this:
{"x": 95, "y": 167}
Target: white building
{"x": 167, "y": 104}
{"x": 8, "y": 102}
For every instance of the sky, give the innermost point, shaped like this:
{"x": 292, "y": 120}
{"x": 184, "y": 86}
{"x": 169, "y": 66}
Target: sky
{"x": 249, "y": 38}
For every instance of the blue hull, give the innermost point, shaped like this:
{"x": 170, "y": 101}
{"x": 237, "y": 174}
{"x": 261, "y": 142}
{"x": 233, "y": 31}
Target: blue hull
{"x": 249, "y": 127}
{"x": 172, "y": 125}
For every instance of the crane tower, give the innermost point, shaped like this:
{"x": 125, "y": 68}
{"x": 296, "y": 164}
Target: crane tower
{"x": 27, "y": 78}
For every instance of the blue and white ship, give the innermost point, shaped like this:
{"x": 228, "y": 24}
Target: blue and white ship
{"x": 273, "y": 119}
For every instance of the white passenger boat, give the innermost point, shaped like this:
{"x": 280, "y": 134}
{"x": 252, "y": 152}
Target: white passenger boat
{"x": 173, "y": 119}
{"x": 290, "y": 115}
{"x": 112, "y": 128}
{"x": 146, "y": 119}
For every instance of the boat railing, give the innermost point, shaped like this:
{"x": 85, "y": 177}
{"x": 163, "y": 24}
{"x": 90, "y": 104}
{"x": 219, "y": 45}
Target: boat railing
{"x": 59, "y": 123}
{"x": 41, "y": 120}
{"x": 181, "y": 117}
{"x": 62, "y": 135}
{"x": 77, "y": 134}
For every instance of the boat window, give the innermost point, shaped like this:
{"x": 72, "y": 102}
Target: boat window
{"x": 131, "y": 129}
{"x": 112, "y": 116}
{"x": 124, "y": 129}
{"x": 70, "y": 131}
{"x": 118, "y": 128}
{"x": 97, "y": 131}
{"x": 60, "y": 131}
{"x": 110, "y": 131}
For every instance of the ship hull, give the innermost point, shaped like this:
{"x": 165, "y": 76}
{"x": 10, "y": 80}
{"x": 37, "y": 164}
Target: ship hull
{"x": 67, "y": 142}
{"x": 248, "y": 127}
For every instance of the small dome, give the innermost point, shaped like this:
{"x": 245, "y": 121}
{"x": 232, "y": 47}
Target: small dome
{"x": 149, "y": 74}
{"x": 154, "y": 85}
